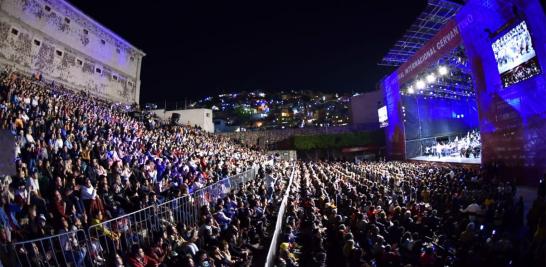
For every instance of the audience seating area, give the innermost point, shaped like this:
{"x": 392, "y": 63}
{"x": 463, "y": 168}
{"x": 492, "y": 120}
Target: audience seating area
{"x": 408, "y": 214}
{"x": 96, "y": 187}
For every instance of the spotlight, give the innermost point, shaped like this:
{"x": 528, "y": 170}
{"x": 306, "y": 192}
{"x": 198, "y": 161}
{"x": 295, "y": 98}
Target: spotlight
{"x": 420, "y": 84}
{"x": 431, "y": 78}
{"x": 442, "y": 70}
{"x": 410, "y": 90}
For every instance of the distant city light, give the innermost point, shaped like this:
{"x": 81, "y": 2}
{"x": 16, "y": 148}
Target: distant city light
{"x": 287, "y": 109}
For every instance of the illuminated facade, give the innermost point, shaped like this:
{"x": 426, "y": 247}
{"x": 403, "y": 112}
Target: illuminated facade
{"x": 510, "y": 116}
{"x": 54, "y": 39}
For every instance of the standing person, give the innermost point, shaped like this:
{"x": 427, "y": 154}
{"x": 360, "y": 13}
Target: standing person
{"x": 270, "y": 181}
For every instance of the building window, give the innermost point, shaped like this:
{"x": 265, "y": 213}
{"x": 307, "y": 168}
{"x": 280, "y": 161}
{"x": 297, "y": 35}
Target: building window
{"x": 59, "y": 52}
{"x": 67, "y": 20}
{"x": 115, "y": 77}
{"x": 132, "y": 58}
{"x": 37, "y": 43}
{"x": 80, "y": 62}
{"x": 47, "y": 8}
{"x": 85, "y": 31}
{"x": 207, "y": 114}
{"x": 14, "y": 31}
{"x": 130, "y": 84}
{"x": 118, "y": 51}
{"x": 102, "y": 41}
{"x": 98, "y": 70}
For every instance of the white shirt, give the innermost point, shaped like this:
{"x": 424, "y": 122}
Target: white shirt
{"x": 270, "y": 181}
{"x": 474, "y": 208}
{"x": 58, "y": 144}
{"x": 29, "y": 138}
{"x": 88, "y": 193}
{"x": 31, "y": 182}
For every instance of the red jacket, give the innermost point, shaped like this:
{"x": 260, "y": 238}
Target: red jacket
{"x": 144, "y": 262}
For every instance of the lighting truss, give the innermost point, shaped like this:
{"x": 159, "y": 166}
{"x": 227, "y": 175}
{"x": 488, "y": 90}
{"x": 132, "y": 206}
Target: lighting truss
{"x": 455, "y": 84}
{"x": 427, "y": 24}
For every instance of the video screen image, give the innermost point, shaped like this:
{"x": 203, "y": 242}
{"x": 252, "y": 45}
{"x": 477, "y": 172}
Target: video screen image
{"x": 515, "y": 55}
{"x": 383, "y": 118}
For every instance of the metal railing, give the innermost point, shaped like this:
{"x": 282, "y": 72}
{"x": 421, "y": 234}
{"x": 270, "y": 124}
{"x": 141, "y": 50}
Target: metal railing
{"x": 65, "y": 249}
{"x": 80, "y": 248}
{"x": 142, "y": 226}
{"x": 272, "y": 252}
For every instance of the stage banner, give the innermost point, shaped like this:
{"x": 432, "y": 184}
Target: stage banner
{"x": 444, "y": 41}
{"x": 394, "y": 132}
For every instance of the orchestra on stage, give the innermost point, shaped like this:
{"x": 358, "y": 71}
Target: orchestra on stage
{"x": 465, "y": 146}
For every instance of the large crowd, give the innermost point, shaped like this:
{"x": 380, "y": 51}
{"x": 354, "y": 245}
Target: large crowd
{"x": 81, "y": 161}
{"x": 407, "y": 214}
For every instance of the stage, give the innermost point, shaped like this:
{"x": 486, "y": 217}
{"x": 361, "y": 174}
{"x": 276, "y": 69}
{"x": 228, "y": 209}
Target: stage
{"x": 449, "y": 159}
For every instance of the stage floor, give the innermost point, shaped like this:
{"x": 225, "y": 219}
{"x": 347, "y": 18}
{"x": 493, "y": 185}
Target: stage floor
{"x": 449, "y": 159}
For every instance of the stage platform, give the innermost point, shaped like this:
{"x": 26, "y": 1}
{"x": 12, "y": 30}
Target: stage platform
{"x": 449, "y": 159}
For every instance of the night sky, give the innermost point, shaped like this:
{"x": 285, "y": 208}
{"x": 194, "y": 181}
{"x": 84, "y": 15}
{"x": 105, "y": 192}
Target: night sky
{"x": 201, "y": 48}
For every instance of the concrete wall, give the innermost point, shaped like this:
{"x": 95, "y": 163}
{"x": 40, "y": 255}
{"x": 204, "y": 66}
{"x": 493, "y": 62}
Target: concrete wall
{"x": 199, "y": 117}
{"x": 264, "y": 138}
{"x": 55, "y": 39}
{"x": 364, "y": 107}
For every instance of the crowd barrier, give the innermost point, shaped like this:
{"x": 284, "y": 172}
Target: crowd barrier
{"x": 90, "y": 248}
{"x": 272, "y": 252}
{"x": 65, "y": 249}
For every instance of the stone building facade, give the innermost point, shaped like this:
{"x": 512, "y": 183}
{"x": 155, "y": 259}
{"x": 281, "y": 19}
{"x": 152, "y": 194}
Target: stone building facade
{"x": 54, "y": 39}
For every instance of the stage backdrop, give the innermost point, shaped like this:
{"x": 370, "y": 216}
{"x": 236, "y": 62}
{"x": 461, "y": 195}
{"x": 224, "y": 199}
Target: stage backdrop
{"x": 512, "y": 119}
{"x": 431, "y": 117}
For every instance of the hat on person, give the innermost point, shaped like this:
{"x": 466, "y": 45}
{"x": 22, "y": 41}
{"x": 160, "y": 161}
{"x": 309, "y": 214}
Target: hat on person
{"x": 42, "y": 216}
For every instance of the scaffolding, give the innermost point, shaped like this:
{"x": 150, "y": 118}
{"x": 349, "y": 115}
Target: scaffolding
{"x": 426, "y": 25}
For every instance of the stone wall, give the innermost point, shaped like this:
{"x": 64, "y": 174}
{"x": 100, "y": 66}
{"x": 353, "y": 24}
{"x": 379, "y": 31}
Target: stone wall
{"x": 53, "y": 38}
{"x": 268, "y": 137}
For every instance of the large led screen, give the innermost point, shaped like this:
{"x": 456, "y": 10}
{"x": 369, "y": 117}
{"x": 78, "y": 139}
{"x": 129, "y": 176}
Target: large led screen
{"x": 383, "y": 118}
{"x": 515, "y": 55}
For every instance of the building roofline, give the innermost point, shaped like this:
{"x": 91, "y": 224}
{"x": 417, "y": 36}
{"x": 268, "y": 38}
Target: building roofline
{"x": 100, "y": 26}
